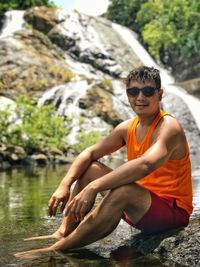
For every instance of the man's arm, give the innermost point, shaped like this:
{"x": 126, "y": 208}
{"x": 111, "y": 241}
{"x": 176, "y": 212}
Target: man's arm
{"x": 108, "y": 145}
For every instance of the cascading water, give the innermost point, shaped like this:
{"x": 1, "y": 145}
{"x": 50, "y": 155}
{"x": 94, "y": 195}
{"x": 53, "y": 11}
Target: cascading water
{"x": 66, "y": 99}
{"x": 13, "y": 22}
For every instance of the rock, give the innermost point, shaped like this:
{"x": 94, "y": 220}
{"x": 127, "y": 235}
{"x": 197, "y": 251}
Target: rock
{"x": 100, "y": 103}
{"x": 39, "y": 159}
{"x": 191, "y": 86}
{"x": 5, "y": 165}
{"x": 173, "y": 248}
{"x": 12, "y": 154}
{"x": 75, "y": 33}
{"x": 41, "y": 18}
{"x": 30, "y": 64}
{"x": 2, "y": 18}
{"x": 61, "y": 160}
{"x": 177, "y": 107}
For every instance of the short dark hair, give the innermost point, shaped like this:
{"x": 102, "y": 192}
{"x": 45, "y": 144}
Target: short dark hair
{"x": 143, "y": 74}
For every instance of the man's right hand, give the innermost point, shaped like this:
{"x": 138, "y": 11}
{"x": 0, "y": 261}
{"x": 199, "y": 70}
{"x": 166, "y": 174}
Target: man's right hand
{"x": 61, "y": 195}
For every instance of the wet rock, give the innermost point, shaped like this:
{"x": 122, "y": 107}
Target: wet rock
{"x": 41, "y": 18}
{"x": 39, "y": 159}
{"x": 74, "y": 33}
{"x": 2, "y": 18}
{"x": 184, "y": 67}
{"x": 176, "y": 106}
{"x": 5, "y": 165}
{"x": 174, "y": 248}
{"x": 191, "y": 86}
{"x": 61, "y": 160}
{"x": 11, "y": 154}
{"x": 30, "y": 64}
{"x": 100, "y": 103}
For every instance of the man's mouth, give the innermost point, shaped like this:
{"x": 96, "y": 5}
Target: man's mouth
{"x": 141, "y": 105}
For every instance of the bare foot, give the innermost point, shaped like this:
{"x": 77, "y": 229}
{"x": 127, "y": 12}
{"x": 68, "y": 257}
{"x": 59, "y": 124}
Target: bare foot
{"x": 66, "y": 228}
{"x": 33, "y": 254}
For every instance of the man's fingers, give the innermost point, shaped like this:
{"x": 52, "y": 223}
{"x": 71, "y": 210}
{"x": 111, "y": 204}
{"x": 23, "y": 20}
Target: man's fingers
{"x": 50, "y": 205}
{"x": 83, "y": 211}
{"x": 55, "y": 206}
{"x": 62, "y": 207}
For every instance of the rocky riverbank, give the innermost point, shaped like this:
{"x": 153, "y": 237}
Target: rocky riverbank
{"x": 174, "y": 248}
{"x": 12, "y": 156}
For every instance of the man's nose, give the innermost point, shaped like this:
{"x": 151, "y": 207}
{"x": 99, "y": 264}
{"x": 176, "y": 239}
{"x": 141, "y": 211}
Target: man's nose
{"x": 140, "y": 95}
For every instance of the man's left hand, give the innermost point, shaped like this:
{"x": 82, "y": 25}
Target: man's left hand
{"x": 81, "y": 204}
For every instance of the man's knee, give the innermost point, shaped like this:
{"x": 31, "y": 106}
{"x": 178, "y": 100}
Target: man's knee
{"x": 129, "y": 194}
{"x": 95, "y": 170}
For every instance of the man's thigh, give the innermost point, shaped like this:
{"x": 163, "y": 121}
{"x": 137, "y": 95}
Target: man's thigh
{"x": 137, "y": 201}
{"x": 162, "y": 215}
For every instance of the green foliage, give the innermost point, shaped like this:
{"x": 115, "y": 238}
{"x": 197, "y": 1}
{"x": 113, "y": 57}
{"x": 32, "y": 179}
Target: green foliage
{"x": 23, "y": 4}
{"x": 124, "y": 12}
{"x": 38, "y": 128}
{"x": 107, "y": 85}
{"x": 4, "y": 123}
{"x": 86, "y": 139}
{"x": 169, "y": 27}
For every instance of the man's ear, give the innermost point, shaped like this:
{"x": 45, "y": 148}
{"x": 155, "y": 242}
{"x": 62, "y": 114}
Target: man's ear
{"x": 160, "y": 94}
{"x": 123, "y": 80}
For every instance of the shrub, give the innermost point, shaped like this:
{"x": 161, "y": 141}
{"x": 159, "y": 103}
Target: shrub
{"x": 37, "y": 128}
{"x": 86, "y": 139}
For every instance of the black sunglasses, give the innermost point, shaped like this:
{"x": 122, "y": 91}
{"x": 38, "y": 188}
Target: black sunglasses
{"x": 147, "y": 91}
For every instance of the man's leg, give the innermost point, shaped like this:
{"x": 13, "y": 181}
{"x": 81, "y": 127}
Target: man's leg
{"x": 132, "y": 199}
{"x": 94, "y": 171}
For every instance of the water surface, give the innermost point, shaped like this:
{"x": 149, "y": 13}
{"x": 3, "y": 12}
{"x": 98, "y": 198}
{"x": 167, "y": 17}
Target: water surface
{"x": 24, "y": 194}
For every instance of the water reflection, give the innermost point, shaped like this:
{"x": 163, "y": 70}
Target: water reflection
{"x": 24, "y": 195}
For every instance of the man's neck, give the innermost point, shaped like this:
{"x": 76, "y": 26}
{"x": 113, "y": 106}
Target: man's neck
{"x": 146, "y": 121}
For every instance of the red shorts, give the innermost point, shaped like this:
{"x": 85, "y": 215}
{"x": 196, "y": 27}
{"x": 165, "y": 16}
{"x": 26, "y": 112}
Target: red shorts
{"x": 162, "y": 216}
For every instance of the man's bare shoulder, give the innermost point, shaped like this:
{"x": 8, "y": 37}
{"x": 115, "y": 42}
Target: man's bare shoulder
{"x": 122, "y": 128}
{"x": 124, "y": 125}
{"x": 171, "y": 132}
{"x": 171, "y": 125}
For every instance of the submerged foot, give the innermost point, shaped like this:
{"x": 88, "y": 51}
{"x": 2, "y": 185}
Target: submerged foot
{"x": 33, "y": 254}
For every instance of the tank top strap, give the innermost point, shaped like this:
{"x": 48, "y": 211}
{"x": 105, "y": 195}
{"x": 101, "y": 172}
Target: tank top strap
{"x": 160, "y": 115}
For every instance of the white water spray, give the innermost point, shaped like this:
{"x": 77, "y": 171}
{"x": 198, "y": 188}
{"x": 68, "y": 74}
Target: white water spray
{"x": 14, "y": 22}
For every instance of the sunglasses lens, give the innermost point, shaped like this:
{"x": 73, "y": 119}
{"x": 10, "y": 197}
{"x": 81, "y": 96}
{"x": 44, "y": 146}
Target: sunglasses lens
{"x": 148, "y": 91}
{"x": 133, "y": 91}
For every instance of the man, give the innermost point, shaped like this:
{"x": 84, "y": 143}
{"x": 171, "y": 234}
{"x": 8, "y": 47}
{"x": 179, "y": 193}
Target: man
{"x": 152, "y": 191}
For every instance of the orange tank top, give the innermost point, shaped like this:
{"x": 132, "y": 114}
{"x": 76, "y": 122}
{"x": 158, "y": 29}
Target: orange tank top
{"x": 173, "y": 179}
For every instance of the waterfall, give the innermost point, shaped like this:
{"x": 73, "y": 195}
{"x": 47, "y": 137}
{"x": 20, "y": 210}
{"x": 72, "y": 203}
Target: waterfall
{"x": 13, "y": 22}
{"x": 66, "y": 100}
{"x": 192, "y": 102}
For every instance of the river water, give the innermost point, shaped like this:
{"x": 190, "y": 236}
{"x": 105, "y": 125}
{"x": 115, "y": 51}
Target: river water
{"x": 24, "y": 195}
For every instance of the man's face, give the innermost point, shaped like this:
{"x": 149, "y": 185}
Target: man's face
{"x": 145, "y": 101}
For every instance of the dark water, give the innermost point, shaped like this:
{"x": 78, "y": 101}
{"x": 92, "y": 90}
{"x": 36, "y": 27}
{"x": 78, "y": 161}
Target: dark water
{"x": 24, "y": 195}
